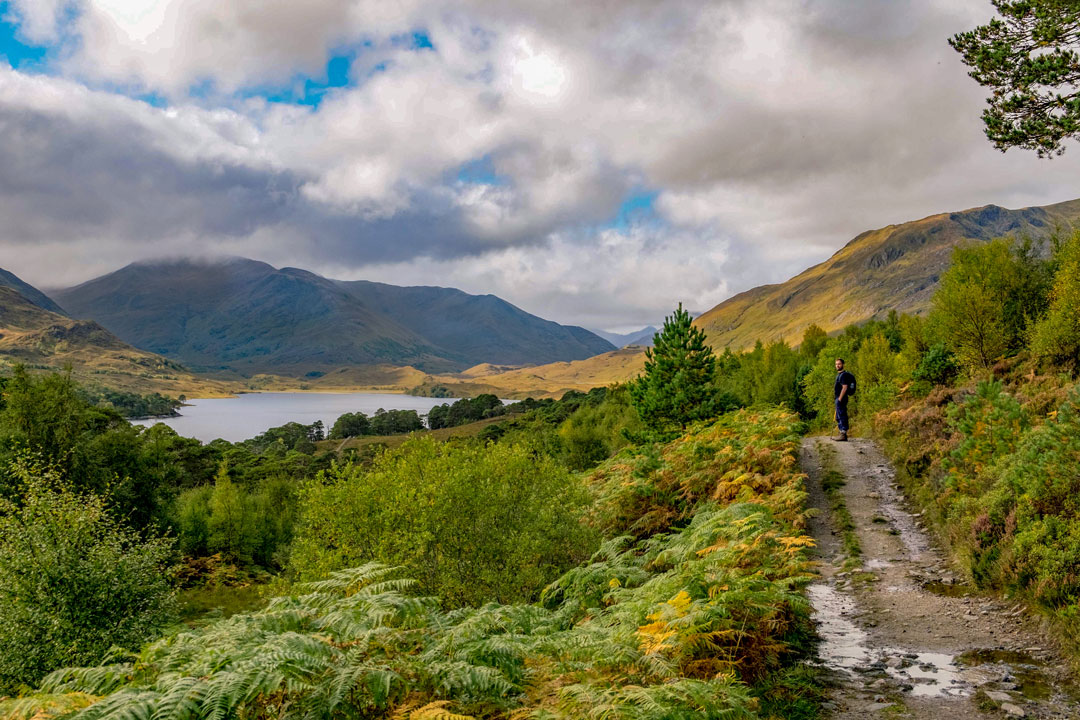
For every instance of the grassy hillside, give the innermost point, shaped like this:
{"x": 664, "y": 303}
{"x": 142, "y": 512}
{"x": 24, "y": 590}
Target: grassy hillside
{"x": 45, "y": 340}
{"x": 250, "y": 317}
{"x": 894, "y": 268}
{"x": 550, "y": 380}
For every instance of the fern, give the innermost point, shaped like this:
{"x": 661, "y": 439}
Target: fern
{"x": 694, "y": 598}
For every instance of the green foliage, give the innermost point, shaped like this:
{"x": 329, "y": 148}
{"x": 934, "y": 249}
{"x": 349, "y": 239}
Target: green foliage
{"x": 133, "y": 405}
{"x": 470, "y": 523}
{"x": 1038, "y": 501}
{"x": 349, "y": 425}
{"x": 465, "y": 411}
{"x": 244, "y": 527}
{"x": 1056, "y": 337}
{"x": 813, "y": 342}
{"x": 699, "y": 621}
{"x": 987, "y": 298}
{"x": 937, "y": 366}
{"x": 73, "y": 581}
{"x": 595, "y": 432}
{"x": 677, "y": 385}
{"x": 1028, "y": 58}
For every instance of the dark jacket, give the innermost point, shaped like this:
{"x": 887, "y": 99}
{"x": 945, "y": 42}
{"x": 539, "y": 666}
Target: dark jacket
{"x": 844, "y": 378}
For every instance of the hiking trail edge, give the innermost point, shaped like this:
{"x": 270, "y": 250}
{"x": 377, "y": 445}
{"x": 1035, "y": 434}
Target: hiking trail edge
{"x": 902, "y": 636}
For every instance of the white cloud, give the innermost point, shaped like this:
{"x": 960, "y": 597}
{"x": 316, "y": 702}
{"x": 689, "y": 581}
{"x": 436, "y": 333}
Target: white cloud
{"x": 773, "y": 130}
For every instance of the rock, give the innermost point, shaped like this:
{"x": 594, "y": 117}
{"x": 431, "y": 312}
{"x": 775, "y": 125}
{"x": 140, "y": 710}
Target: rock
{"x": 998, "y": 696}
{"x": 1013, "y": 710}
{"x": 894, "y": 662}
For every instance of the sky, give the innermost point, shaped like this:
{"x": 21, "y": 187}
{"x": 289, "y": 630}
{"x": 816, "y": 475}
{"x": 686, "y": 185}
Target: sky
{"x": 594, "y": 162}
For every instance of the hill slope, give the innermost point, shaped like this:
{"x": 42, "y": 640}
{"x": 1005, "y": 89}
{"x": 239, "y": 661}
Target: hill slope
{"x": 472, "y": 329}
{"x": 29, "y": 292}
{"x": 894, "y": 268}
{"x": 249, "y": 316}
{"x": 45, "y": 340}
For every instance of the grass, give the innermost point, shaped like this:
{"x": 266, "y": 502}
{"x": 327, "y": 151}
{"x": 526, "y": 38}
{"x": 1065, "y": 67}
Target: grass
{"x": 832, "y": 483}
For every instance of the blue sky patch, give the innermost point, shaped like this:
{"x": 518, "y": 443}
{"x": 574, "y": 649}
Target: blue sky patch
{"x": 17, "y": 53}
{"x": 638, "y": 207}
{"x": 481, "y": 171}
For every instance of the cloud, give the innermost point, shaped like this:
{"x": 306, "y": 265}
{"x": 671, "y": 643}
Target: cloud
{"x": 771, "y": 131}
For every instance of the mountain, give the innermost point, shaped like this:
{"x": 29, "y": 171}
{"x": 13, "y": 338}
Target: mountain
{"x": 249, "y": 316}
{"x": 471, "y": 329}
{"x": 894, "y": 268}
{"x": 29, "y": 292}
{"x": 642, "y": 337}
{"x": 45, "y": 340}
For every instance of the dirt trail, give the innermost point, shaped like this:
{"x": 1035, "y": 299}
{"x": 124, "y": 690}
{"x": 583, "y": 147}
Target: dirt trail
{"x": 902, "y": 636}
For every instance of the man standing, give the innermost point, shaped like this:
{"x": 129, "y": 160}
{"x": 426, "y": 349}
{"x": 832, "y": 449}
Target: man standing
{"x": 842, "y": 390}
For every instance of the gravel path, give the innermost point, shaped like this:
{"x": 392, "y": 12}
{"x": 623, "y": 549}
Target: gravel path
{"x": 901, "y": 635}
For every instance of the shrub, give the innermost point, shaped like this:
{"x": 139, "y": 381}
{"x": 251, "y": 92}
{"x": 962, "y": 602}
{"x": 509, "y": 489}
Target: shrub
{"x": 938, "y": 366}
{"x": 702, "y": 621}
{"x": 470, "y": 523}
{"x": 1057, "y": 336}
{"x": 73, "y": 581}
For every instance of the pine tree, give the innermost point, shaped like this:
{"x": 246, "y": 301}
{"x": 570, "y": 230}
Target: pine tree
{"x": 678, "y": 386}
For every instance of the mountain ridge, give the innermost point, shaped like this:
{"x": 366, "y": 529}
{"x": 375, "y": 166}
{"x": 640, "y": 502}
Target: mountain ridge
{"x": 28, "y": 291}
{"x": 246, "y": 315}
{"x": 891, "y": 268}
{"x": 39, "y": 338}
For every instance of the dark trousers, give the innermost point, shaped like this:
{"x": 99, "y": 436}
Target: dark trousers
{"x": 841, "y": 416}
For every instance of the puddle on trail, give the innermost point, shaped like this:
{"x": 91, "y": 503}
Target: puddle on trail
{"x": 844, "y": 648}
{"x": 843, "y": 644}
{"x": 914, "y": 540}
{"x": 1016, "y": 668}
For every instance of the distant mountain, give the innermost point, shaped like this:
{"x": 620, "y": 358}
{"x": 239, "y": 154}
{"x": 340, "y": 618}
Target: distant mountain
{"x": 894, "y": 268}
{"x": 29, "y": 292}
{"x": 469, "y": 329}
{"x": 643, "y": 337}
{"x": 249, "y": 316}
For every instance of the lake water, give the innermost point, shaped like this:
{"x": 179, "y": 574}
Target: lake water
{"x": 245, "y": 416}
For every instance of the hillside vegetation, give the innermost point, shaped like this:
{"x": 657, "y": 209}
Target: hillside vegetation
{"x": 47, "y": 341}
{"x": 895, "y": 268}
{"x": 698, "y": 619}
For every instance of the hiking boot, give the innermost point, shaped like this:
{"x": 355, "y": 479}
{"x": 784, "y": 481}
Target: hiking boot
{"x": 841, "y": 438}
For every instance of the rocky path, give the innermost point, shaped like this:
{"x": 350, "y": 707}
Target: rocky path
{"x": 902, "y": 637}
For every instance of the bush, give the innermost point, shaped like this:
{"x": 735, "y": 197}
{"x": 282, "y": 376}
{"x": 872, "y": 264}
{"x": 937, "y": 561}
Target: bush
{"x": 470, "y": 523}
{"x": 988, "y": 297}
{"x": 1056, "y": 337}
{"x": 704, "y": 620}
{"x": 73, "y": 581}
{"x": 937, "y": 366}
{"x": 245, "y": 527}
